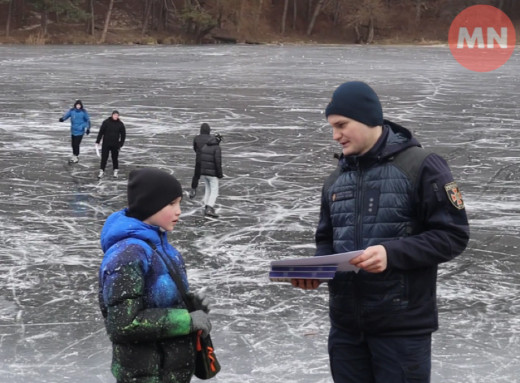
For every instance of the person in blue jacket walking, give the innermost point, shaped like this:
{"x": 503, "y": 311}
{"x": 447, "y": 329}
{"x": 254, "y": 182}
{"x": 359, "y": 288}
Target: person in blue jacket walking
{"x": 400, "y": 205}
{"x": 79, "y": 125}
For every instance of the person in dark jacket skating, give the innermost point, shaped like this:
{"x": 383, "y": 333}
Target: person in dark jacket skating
{"x": 208, "y": 165}
{"x": 198, "y": 142}
{"x": 399, "y": 204}
{"x": 79, "y": 125}
{"x": 152, "y": 333}
{"x": 113, "y": 134}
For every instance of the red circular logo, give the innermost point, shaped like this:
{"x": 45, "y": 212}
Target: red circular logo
{"x": 482, "y": 38}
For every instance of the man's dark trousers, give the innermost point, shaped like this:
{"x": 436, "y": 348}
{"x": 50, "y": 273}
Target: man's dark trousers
{"x": 362, "y": 358}
{"x": 114, "y": 153}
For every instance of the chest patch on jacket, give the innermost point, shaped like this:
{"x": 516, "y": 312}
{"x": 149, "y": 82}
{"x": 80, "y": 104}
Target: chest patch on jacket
{"x": 454, "y": 195}
{"x": 340, "y": 196}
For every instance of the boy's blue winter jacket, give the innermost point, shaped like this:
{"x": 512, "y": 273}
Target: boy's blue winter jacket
{"x": 145, "y": 316}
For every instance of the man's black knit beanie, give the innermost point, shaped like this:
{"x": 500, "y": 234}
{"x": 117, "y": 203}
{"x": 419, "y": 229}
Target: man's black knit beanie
{"x": 149, "y": 190}
{"x": 358, "y": 101}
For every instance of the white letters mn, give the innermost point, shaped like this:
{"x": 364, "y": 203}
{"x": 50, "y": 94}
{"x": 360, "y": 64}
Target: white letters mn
{"x": 478, "y": 37}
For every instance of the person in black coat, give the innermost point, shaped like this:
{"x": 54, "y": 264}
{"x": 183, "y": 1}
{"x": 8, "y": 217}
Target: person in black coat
{"x": 113, "y": 134}
{"x": 198, "y": 142}
{"x": 208, "y": 165}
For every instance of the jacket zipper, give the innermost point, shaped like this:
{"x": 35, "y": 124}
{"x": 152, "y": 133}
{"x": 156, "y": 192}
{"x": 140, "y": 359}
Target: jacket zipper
{"x": 358, "y": 233}
{"x": 358, "y": 210}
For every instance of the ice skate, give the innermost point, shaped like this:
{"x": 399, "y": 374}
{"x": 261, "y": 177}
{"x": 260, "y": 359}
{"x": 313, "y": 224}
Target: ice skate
{"x": 210, "y": 212}
{"x": 74, "y": 160}
{"x": 101, "y": 174}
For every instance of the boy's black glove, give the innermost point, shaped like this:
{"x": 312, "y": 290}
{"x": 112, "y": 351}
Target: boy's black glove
{"x": 61, "y": 119}
{"x": 88, "y": 132}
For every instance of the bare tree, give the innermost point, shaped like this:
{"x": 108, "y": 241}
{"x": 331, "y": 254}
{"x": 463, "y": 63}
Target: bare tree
{"x": 284, "y": 15}
{"x": 309, "y": 10}
{"x": 418, "y": 10}
{"x": 89, "y": 8}
{"x": 365, "y": 17}
{"x": 337, "y": 7}
{"x": 295, "y": 13}
{"x": 146, "y": 15}
{"x": 240, "y": 14}
{"x": 44, "y": 21}
{"x": 107, "y": 21}
{"x": 315, "y": 14}
{"x": 9, "y": 16}
{"x": 258, "y": 13}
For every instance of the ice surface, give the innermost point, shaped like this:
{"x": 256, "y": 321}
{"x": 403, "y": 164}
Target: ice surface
{"x": 267, "y": 102}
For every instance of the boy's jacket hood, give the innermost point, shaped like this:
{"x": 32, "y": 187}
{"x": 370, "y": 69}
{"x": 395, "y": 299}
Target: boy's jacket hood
{"x": 118, "y": 227}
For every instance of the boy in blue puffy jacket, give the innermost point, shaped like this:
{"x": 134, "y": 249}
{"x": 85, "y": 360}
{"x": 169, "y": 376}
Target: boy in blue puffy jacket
{"x": 79, "y": 125}
{"x": 152, "y": 332}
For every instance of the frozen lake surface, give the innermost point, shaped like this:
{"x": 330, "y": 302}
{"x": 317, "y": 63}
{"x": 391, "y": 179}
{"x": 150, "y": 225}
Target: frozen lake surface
{"x": 267, "y": 102}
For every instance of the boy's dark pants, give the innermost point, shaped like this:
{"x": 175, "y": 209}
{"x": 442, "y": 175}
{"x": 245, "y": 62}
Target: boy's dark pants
{"x": 361, "y": 358}
{"x": 76, "y": 141}
{"x": 114, "y": 152}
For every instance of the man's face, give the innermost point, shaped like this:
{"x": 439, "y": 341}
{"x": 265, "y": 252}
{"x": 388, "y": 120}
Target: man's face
{"x": 354, "y": 137}
{"x": 115, "y": 116}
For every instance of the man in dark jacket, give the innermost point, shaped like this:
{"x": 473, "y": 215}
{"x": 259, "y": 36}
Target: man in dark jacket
{"x": 208, "y": 164}
{"x": 399, "y": 204}
{"x": 113, "y": 134}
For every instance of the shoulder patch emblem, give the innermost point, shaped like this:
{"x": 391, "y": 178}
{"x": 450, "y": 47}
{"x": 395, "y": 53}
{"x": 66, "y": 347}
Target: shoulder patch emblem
{"x": 454, "y": 195}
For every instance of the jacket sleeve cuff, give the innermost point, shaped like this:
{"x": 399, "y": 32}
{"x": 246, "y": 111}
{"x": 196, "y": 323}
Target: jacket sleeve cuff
{"x": 178, "y": 322}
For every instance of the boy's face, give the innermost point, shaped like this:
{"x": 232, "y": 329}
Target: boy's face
{"x": 167, "y": 217}
{"x": 78, "y": 106}
{"x": 354, "y": 137}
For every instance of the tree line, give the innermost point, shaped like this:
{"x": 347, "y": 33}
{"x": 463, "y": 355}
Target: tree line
{"x": 198, "y": 18}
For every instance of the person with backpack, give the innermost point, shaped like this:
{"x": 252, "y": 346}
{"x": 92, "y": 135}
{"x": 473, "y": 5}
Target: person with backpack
{"x": 208, "y": 166}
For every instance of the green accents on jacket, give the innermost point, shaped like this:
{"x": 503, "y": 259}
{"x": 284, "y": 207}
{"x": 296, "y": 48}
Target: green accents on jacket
{"x": 129, "y": 321}
{"x": 145, "y": 317}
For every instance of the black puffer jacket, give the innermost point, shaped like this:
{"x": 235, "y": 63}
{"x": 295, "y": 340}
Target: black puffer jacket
{"x": 209, "y": 159}
{"x": 405, "y": 199}
{"x": 201, "y": 140}
{"x": 112, "y": 132}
